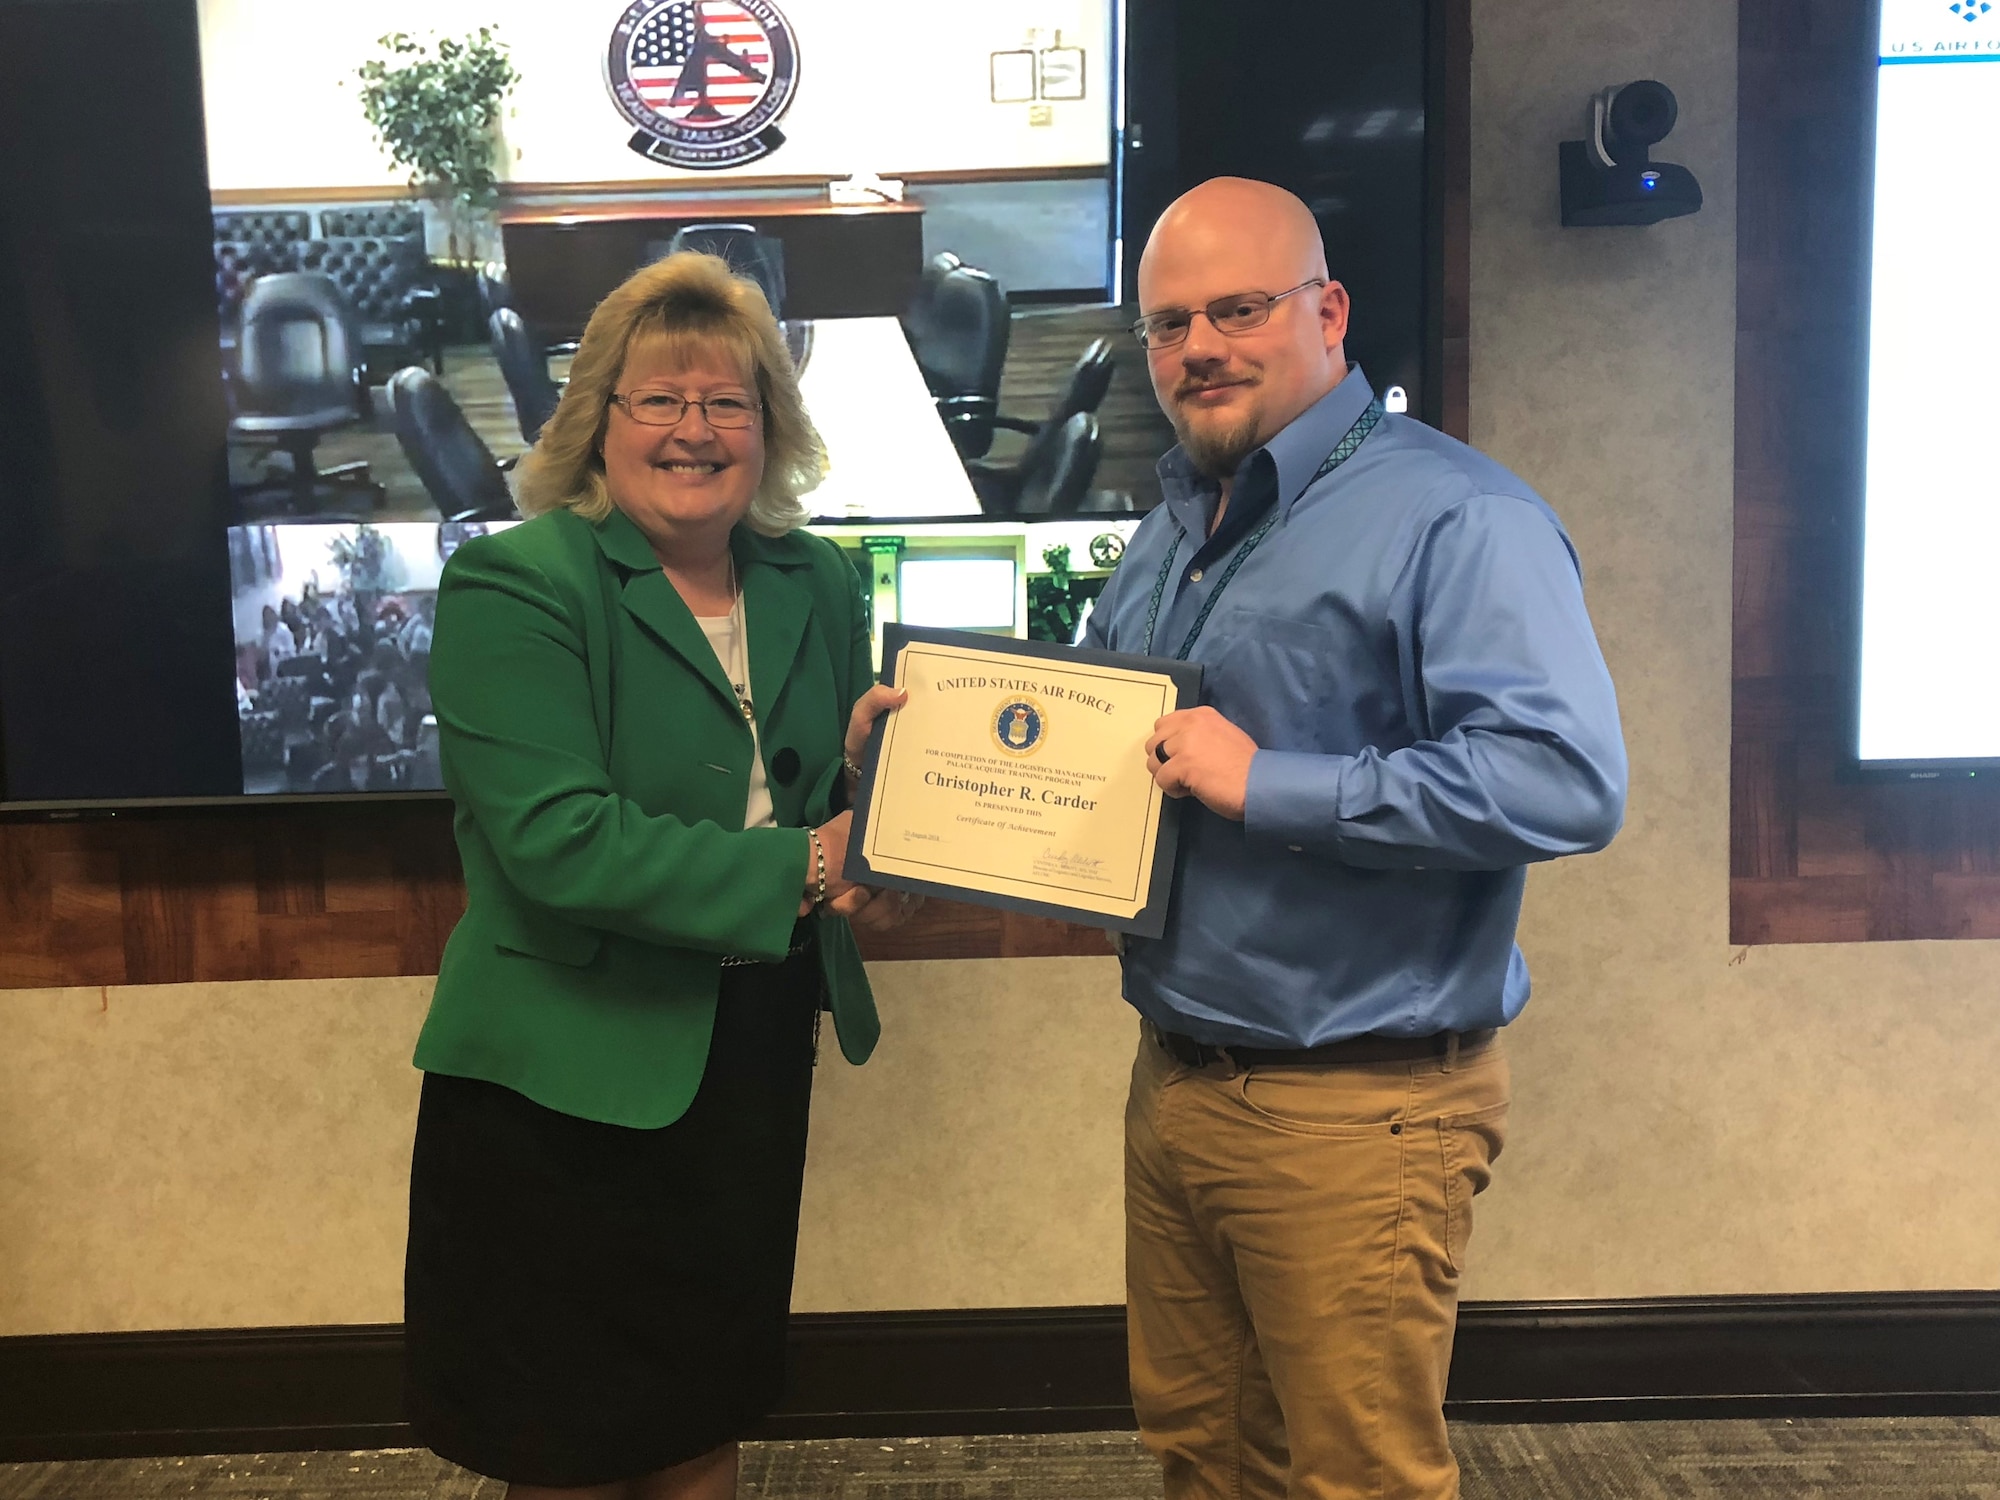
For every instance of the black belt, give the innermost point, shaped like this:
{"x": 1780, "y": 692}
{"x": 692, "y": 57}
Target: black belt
{"x": 1360, "y": 1049}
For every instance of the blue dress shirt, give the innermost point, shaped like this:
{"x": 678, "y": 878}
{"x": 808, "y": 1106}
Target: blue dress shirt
{"x": 1409, "y": 648}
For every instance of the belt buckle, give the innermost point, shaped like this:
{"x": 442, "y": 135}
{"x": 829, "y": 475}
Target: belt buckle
{"x": 1187, "y": 1051}
{"x": 1190, "y": 1051}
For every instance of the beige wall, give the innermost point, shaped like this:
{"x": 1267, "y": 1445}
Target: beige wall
{"x": 1690, "y": 1119}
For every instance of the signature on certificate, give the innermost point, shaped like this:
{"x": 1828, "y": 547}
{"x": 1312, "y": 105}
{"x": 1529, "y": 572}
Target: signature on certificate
{"x": 1069, "y": 865}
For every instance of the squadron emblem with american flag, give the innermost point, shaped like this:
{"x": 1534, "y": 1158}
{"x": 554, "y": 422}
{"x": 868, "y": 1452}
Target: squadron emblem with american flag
{"x": 705, "y": 81}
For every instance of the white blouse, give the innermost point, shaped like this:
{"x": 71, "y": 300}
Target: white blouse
{"x": 728, "y": 637}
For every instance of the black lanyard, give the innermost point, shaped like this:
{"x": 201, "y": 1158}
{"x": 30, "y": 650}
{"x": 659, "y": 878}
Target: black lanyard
{"x": 1342, "y": 452}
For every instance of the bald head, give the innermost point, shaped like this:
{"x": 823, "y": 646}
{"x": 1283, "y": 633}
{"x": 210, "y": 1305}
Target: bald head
{"x": 1229, "y": 393}
{"x": 1235, "y": 226}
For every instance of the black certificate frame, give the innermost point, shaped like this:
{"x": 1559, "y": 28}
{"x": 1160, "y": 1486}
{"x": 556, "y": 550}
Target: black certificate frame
{"x": 1151, "y": 919}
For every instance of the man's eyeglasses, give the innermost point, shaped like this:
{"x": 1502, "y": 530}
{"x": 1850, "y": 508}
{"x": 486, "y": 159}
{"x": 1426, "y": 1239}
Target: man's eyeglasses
{"x": 1239, "y": 312}
{"x": 666, "y": 408}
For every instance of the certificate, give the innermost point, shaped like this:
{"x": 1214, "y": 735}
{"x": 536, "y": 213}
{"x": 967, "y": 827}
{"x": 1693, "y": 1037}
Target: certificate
{"x": 1016, "y": 777}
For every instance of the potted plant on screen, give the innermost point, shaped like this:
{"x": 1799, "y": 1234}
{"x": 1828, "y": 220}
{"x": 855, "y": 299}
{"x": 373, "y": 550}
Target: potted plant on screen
{"x": 434, "y": 106}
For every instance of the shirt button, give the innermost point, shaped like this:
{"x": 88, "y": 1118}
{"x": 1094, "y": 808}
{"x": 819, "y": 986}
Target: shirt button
{"x": 1296, "y": 848}
{"x": 1195, "y": 576}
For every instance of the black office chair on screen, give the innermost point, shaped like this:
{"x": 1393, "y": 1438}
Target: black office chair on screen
{"x": 465, "y": 481}
{"x": 1089, "y": 379}
{"x": 1053, "y": 476}
{"x": 920, "y": 318}
{"x": 299, "y": 376}
{"x": 525, "y": 367}
{"x": 387, "y": 280}
{"x": 757, "y": 256}
{"x": 958, "y": 334}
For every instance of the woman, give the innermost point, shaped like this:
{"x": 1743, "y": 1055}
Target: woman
{"x": 650, "y": 698}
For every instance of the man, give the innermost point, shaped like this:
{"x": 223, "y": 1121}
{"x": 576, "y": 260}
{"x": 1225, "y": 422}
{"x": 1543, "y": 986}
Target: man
{"x": 1403, "y": 705}
{"x": 276, "y": 641}
{"x": 415, "y": 636}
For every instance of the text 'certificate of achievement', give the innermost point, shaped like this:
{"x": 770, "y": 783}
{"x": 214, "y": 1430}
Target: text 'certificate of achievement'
{"x": 1015, "y": 776}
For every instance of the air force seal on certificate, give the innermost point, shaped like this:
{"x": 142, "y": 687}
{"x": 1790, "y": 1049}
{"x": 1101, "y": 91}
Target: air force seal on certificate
{"x": 705, "y": 81}
{"x": 1019, "y": 726}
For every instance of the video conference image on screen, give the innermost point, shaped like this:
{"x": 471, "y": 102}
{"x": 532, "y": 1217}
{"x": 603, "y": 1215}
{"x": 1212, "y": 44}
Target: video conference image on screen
{"x": 387, "y": 355}
{"x": 333, "y": 644}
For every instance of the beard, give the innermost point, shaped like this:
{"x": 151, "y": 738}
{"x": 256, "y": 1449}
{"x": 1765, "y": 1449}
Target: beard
{"x": 1217, "y": 446}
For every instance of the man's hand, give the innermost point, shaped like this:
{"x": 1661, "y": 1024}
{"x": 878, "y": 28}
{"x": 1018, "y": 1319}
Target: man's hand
{"x": 1198, "y": 753}
{"x": 874, "y": 909}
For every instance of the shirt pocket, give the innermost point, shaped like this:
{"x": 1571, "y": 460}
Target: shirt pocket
{"x": 1285, "y": 683}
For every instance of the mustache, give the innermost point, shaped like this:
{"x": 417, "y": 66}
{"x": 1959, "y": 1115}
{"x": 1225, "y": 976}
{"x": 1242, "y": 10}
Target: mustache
{"x": 1193, "y": 384}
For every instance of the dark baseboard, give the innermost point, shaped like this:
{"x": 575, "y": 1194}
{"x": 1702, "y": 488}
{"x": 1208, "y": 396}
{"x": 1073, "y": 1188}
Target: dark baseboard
{"x": 1833, "y": 1354}
{"x": 1033, "y": 1370}
{"x": 250, "y": 1390}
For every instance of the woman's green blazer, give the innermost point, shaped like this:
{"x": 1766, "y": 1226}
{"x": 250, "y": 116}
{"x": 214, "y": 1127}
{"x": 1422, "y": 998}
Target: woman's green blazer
{"x": 600, "y": 768}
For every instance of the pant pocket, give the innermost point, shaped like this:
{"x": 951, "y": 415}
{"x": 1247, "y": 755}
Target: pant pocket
{"x": 1468, "y": 1144}
{"x": 1341, "y": 1103}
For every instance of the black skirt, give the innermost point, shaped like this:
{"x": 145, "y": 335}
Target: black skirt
{"x": 587, "y": 1302}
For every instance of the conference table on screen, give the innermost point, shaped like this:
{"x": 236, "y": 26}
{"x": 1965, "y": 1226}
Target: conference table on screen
{"x": 888, "y": 455}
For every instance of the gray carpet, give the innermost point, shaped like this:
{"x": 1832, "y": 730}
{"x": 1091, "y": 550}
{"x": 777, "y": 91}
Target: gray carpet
{"x": 1930, "y": 1458}
{"x": 1885, "y": 1458}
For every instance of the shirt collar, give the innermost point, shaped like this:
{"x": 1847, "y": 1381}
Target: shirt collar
{"x": 1303, "y": 446}
{"x": 1296, "y": 451}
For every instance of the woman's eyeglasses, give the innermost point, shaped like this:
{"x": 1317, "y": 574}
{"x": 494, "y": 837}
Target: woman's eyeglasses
{"x": 1239, "y": 312}
{"x": 665, "y": 409}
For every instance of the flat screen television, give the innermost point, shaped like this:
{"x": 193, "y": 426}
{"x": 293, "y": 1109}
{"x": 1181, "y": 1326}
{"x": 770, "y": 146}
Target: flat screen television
{"x": 1926, "y": 689}
{"x": 197, "y": 609}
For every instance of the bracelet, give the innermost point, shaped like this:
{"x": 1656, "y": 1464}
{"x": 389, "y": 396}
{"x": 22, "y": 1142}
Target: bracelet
{"x": 819, "y": 866}
{"x": 849, "y": 766}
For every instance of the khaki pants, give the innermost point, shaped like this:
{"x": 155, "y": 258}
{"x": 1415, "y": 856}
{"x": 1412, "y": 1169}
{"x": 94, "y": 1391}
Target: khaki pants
{"x": 1294, "y": 1238}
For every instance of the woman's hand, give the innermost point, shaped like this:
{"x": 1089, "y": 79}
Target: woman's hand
{"x": 877, "y": 701}
{"x": 832, "y": 842}
{"x": 876, "y": 910}
{"x": 865, "y": 906}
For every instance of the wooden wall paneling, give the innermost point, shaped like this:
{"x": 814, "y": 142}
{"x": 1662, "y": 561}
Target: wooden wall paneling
{"x": 1814, "y": 858}
{"x": 267, "y": 893}
{"x": 954, "y": 929}
{"x": 313, "y": 893}
{"x": 61, "y": 910}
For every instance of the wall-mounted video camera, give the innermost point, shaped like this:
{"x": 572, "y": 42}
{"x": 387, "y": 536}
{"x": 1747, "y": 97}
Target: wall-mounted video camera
{"x": 1609, "y": 177}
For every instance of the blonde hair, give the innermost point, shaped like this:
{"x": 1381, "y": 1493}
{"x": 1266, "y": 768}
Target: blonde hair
{"x": 690, "y": 306}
